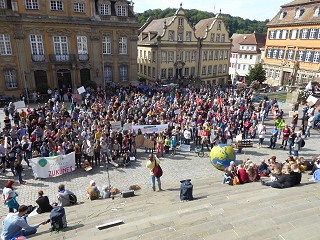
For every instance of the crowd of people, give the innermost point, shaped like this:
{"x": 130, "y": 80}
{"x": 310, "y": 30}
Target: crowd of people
{"x": 204, "y": 116}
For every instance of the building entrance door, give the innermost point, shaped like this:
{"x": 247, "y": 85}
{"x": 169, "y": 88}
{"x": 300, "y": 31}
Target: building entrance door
{"x": 286, "y": 78}
{"x": 64, "y": 79}
{"x": 85, "y": 76}
{"x": 40, "y": 78}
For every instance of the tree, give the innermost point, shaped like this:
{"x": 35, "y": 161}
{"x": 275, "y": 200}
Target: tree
{"x": 256, "y": 74}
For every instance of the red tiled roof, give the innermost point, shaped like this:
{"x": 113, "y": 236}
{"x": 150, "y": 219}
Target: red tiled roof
{"x": 236, "y": 39}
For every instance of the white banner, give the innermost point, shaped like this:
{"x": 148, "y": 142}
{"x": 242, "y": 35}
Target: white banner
{"x": 127, "y": 126}
{"x": 184, "y": 148}
{"x": 116, "y": 126}
{"x": 46, "y": 167}
{"x": 19, "y": 104}
{"x": 150, "y": 128}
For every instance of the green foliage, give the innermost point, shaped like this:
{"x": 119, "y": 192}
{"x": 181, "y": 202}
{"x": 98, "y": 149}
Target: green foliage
{"x": 255, "y": 85}
{"x": 256, "y": 74}
{"x": 233, "y": 24}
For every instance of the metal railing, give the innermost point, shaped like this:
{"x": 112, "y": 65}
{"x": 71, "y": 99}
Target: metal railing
{"x": 38, "y": 58}
{"x": 62, "y": 58}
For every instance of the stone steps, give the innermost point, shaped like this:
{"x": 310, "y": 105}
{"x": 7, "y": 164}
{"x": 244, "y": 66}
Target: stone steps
{"x": 249, "y": 211}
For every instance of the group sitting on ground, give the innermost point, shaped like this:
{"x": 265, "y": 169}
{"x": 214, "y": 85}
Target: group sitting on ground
{"x": 282, "y": 175}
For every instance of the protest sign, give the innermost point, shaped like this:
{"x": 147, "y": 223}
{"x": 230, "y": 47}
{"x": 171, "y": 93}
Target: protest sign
{"x": 116, "y": 126}
{"x": 312, "y": 100}
{"x": 292, "y": 113}
{"x": 148, "y": 143}
{"x": 185, "y": 148}
{"x": 150, "y": 128}
{"x": 19, "y": 104}
{"x": 177, "y": 112}
{"x": 81, "y": 90}
{"x": 46, "y": 167}
{"x": 139, "y": 140}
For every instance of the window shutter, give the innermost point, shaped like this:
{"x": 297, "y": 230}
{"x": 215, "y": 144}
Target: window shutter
{"x": 277, "y": 53}
{"x": 311, "y": 57}
{"x": 296, "y": 56}
{"x": 301, "y": 30}
{"x": 290, "y": 34}
{"x": 287, "y": 52}
{"x": 308, "y": 34}
{"x": 316, "y": 33}
{"x": 287, "y": 34}
{"x": 281, "y": 31}
{"x": 269, "y": 33}
{"x": 304, "y": 56}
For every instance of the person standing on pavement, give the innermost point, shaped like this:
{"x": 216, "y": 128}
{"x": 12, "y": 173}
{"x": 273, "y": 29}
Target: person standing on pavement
{"x": 310, "y": 125}
{"x": 3, "y": 153}
{"x": 9, "y": 196}
{"x": 153, "y": 161}
{"x": 261, "y": 133}
{"x": 297, "y": 145}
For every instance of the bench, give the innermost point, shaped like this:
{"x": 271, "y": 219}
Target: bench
{"x": 243, "y": 144}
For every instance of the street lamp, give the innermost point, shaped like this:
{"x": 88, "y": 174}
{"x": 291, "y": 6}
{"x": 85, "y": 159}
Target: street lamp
{"x": 25, "y": 85}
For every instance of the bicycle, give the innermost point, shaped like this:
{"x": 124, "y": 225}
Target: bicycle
{"x": 199, "y": 151}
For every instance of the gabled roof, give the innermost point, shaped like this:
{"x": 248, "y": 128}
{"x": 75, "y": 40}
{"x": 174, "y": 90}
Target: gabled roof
{"x": 202, "y": 26}
{"x": 156, "y": 25}
{"x": 258, "y": 39}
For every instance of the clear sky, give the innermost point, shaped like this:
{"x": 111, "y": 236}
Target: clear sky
{"x": 251, "y": 9}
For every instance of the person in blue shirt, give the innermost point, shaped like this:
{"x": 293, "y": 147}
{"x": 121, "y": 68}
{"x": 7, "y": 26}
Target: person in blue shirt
{"x": 173, "y": 143}
{"x": 15, "y": 224}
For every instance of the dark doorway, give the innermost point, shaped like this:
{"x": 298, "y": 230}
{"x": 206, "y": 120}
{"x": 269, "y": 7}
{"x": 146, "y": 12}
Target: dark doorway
{"x": 85, "y": 76}
{"x": 286, "y": 78}
{"x": 40, "y": 78}
{"x": 64, "y": 79}
{"x": 178, "y": 72}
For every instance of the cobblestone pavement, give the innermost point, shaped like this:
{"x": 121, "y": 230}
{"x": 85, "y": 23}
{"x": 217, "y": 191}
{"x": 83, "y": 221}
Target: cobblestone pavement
{"x": 181, "y": 166}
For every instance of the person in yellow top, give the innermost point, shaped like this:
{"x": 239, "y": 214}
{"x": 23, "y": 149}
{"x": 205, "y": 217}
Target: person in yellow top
{"x": 150, "y": 165}
{"x": 97, "y": 135}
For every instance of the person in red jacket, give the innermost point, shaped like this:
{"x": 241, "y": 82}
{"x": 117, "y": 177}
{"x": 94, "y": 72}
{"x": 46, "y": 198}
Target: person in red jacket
{"x": 285, "y": 136}
{"x": 242, "y": 174}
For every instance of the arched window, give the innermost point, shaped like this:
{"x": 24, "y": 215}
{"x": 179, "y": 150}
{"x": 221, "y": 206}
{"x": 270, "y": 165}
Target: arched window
{"x": 283, "y": 15}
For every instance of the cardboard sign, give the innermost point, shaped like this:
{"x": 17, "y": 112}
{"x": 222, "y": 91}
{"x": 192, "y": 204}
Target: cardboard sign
{"x": 185, "y": 148}
{"x": 177, "y": 112}
{"x": 81, "y": 90}
{"x": 148, "y": 143}
{"x": 19, "y": 104}
{"x": 292, "y": 113}
{"x": 139, "y": 140}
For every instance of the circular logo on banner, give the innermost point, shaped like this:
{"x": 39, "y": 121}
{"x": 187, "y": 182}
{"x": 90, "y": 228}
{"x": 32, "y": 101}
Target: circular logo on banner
{"x": 42, "y": 162}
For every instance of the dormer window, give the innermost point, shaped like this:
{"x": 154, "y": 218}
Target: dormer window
{"x": 122, "y": 11}
{"x": 104, "y": 9}
{"x": 283, "y": 15}
{"x": 316, "y": 12}
{"x": 299, "y": 13}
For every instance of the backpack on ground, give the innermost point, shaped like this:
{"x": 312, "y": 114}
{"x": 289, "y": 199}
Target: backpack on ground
{"x": 186, "y": 189}
{"x": 73, "y": 199}
{"x": 58, "y": 219}
{"x": 303, "y": 143}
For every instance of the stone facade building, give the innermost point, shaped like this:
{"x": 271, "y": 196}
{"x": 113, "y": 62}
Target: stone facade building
{"x": 171, "y": 49}
{"x": 66, "y": 44}
{"x": 292, "y": 53}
